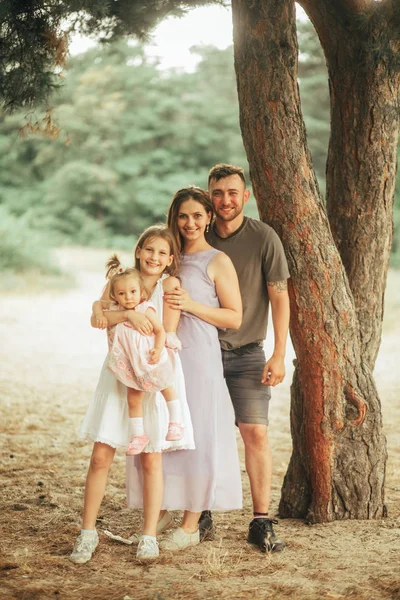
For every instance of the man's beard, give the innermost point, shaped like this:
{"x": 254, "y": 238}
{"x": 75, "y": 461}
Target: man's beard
{"x": 231, "y": 215}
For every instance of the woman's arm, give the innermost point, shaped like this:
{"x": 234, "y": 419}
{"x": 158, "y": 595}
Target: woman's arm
{"x": 229, "y": 315}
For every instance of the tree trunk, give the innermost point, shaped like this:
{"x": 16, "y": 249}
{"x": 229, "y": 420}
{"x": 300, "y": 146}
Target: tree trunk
{"x": 361, "y": 43}
{"x": 361, "y": 177}
{"x": 339, "y": 452}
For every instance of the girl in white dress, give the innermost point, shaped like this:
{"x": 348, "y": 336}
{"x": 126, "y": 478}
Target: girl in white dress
{"x": 106, "y": 421}
{"x": 141, "y": 362}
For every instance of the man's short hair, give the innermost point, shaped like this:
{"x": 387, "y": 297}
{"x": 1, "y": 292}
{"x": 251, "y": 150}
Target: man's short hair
{"x": 224, "y": 170}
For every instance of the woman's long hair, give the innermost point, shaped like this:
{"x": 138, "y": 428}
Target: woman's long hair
{"x": 189, "y": 193}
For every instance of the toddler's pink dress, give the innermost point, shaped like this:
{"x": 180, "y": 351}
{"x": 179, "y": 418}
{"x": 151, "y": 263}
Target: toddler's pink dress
{"x": 129, "y": 355}
{"x": 107, "y": 419}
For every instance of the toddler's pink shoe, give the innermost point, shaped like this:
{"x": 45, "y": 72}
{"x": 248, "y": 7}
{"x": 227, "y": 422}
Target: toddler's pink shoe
{"x": 137, "y": 444}
{"x": 175, "y": 432}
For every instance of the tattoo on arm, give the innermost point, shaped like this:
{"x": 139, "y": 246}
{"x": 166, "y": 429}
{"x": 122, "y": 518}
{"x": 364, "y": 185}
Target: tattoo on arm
{"x": 281, "y": 286}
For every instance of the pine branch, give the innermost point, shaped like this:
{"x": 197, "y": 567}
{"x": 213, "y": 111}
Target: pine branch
{"x": 34, "y": 37}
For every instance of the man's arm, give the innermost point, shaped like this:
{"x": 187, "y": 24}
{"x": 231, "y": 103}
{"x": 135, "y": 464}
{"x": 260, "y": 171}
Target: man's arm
{"x": 274, "y": 370}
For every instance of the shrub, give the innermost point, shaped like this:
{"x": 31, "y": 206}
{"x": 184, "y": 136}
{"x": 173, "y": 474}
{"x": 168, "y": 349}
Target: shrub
{"x": 23, "y": 249}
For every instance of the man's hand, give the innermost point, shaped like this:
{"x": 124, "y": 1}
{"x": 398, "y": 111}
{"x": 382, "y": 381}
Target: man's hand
{"x": 139, "y": 322}
{"x": 154, "y": 356}
{"x": 274, "y": 371}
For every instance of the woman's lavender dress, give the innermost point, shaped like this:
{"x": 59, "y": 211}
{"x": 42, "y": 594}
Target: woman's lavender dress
{"x": 209, "y": 476}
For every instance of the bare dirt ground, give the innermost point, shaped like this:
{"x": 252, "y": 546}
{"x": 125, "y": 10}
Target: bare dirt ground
{"x": 50, "y": 361}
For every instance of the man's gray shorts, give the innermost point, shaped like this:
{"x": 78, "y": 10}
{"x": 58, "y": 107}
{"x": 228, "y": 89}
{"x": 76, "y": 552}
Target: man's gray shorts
{"x": 243, "y": 370}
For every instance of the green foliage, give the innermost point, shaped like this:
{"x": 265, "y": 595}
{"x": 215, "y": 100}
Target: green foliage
{"x": 22, "y": 249}
{"x": 131, "y": 136}
{"x": 395, "y": 256}
{"x": 34, "y": 35}
{"x": 314, "y": 93}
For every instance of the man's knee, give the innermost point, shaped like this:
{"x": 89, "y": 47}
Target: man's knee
{"x": 255, "y": 436}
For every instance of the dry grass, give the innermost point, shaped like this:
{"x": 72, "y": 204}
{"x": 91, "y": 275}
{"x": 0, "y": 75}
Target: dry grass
{"x": 50, "y": 362}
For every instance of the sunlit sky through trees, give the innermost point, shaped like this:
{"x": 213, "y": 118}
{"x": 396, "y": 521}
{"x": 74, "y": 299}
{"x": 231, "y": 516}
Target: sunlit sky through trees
{"x": 172, "y": 39}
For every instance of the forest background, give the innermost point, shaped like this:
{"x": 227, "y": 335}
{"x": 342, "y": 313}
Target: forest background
{"x": 124, "y": 136}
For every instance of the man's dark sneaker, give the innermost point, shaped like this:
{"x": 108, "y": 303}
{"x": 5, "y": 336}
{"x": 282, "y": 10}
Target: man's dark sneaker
{"x": 262, "y": 535}
{"x": 206, "y": 526}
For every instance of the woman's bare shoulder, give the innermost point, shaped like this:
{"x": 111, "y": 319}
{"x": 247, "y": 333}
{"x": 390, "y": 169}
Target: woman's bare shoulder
{"x": 221, "y": 260}
{"x": 221, "y": 266}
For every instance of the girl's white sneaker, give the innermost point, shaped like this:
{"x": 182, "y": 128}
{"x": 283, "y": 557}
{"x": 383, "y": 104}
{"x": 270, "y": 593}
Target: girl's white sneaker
{"x": 147, "y": 548}
{"x": 85, "y": 545}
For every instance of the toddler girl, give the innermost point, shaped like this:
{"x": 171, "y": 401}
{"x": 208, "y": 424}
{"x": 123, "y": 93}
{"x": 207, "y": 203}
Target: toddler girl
{"x": 140, "y": 362}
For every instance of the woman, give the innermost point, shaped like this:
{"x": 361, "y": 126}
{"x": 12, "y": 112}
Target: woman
{"x": 207, "y": 478}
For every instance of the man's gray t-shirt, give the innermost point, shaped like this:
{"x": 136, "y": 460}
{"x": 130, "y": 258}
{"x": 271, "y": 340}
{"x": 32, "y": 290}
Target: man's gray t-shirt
{"x": 258, "y": 256}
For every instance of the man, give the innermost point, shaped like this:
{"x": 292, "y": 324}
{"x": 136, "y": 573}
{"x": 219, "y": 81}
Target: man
{"x": 259, "y": 259}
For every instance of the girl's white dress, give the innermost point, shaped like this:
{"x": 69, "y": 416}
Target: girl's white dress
{"x": 106, "y": 418}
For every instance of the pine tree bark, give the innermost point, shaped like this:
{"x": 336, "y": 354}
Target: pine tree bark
{"x": 361, "y": 167}
{"x": 338, "y": 462}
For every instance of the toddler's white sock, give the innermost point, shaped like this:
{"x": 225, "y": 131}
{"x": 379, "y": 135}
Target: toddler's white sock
{"x": 174, "y": 410}
{"x": 136, "y": 425}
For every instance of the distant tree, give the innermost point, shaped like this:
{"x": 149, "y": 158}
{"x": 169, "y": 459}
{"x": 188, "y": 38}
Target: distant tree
{"x": 314, "y": 95}
{"x": 395, "y": 256}
{"x": 130, "y": 136}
